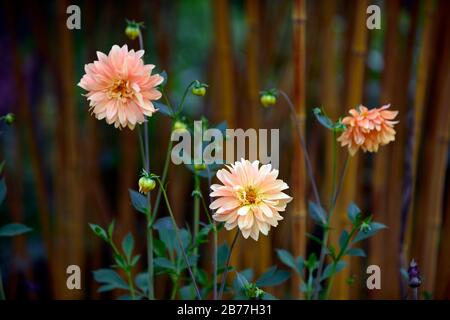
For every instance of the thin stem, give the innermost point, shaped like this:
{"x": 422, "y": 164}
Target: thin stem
{"x": 163, "y": 178}
{"x": 180, "y": 243}
{"x": 146, "y": 156}
{"x": 326, "y": 231}
{"x": 415, "y": 294}
{"x": 131, "y": 285}
{"x": 173, "y": 294}
{"x": 196, "y": 205}
{"x": 2, "y": 291}
{"x": 180, "y": 108}
{"x": 215, "y": 244}
{"x": 225, "y": 272}
{"x": 309, "y": 168}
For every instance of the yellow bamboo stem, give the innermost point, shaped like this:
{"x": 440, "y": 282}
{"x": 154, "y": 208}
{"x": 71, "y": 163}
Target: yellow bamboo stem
{"x": 298, "y": 207}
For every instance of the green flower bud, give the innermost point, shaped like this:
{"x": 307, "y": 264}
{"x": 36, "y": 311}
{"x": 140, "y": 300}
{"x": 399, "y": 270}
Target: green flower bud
{"x": 146, "y": 184}
{"x": 179, "y": 126}
{"x": 268, "y": 99}
{"x": 9, "y": 118}
{"x": 200, "y": 167}
{"x": 199, "y": 89}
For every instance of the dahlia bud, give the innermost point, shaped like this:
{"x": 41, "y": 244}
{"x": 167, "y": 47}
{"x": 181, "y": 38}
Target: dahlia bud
{"x": 132, "y": 30}
{"x": 365, "y": 227}
{"x": 268, "y": 98}
{"x": 146, "y": 184}
{"x": 9, "y": 118}
{"x": 199, "y": 89}
{"x": 179, "y": 126}
{"x": 253, "y": 292}
{"x": 200, "y": 167}
{"x": 415, "y": 280}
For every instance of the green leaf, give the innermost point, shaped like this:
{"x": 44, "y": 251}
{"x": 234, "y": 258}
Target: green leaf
{"x": 163, "y": 74}
{"x": 323, "y": 119}
{"x": 272, "y": 277}
{"x": 164, "y": 263}
{"x": 287, "y": 258}
{"x": 135, "y": 260}
{"x": 159, "y": 248}
{"x": 343, "y": 239}
{"x": 111, "y": 229}
{"x": 355, "y": 252}
{"x": 111, "y": 278}
{"x": 141, "y": 281}
{"x": 99, "y": 231}
{"x": 314, "y": 238}
{"x": 312, "y": 263}
{"x": 242, "y": 279}
{"x": 13, "y": 229}
{"x": 353, "y": 212}
{"x": 139, "y": 201}
{"x": 127, "y": 245}
{"x": 164, "y": 226}
{"x": 330, "y": 270}
{"x": 317, "y": 213}
{"x": 202, "y": 236}
{"x": 2, "y": 190}
{"x": 222, "y": 255}
{"x": 163, "y": 108}
{"x": 300, "y": 264}
{"x": 187, "y": 292}
{"x": 374, "y": 228}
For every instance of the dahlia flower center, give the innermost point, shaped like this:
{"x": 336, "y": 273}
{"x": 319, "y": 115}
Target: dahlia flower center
{"x": 248, "y": 195}
{"x": 120, "y": 89}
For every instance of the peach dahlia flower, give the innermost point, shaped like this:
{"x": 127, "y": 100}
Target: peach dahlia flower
{"x": 250, "y": 198}
{"x": 121, "y": 87}
{"x": 368, "y": 129}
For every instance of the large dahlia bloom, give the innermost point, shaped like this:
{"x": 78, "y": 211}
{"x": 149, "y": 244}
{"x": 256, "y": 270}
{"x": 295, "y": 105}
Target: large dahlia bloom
{"x": 368, "y": 129}
{"x": 121, "y": 87}
{"x": 251, "y": 198}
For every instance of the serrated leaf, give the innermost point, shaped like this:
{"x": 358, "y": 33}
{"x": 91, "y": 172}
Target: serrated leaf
{"x": 317, "y": 213}
{"x": 139, "y": 201}
{"x": 332, "y": 269}
{"x": 13, "y": 229}
{"x": 110, "y": 277}
{"x": 287, "y": 258}
{"x": 272, "y": 277}
{"x": 128, "y": 245}
{"x": 356, "y": 252}
{"x": 352, "y": 212}
{"x": 374, "y": 228}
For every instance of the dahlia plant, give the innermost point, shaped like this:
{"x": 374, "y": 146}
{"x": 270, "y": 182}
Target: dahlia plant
{"x": 248, "y": 197}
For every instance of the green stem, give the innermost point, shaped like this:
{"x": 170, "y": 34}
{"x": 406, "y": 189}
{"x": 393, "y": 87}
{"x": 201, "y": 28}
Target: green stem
{"x": 177, "y": 233}
{"x": 225, "y": 272}
{"x": 196, "y": 207}
{"x": 173, "y": 294}
{"x": 131, "y": 285}
{"x": 215, "y": 244}
{"x": 180, "y": 108}
{"x": 146, "y": 157}
{"x": 338, "y": 258}
{"x": 163, "y": 178}
{"x": 323, "y": 250}
{"x": 2, "y": 291}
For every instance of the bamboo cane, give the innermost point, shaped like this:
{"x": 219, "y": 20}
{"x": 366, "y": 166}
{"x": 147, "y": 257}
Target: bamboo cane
{"x": 354, "y": 95}
{"x": 298, "y": 176}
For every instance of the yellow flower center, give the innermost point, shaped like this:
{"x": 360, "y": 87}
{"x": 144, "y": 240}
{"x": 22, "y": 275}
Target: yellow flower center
{"x": 248, "y": 195}
{"x": 120, "y": 90}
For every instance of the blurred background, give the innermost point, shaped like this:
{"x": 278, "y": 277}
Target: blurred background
{"x": 65, "y": 169}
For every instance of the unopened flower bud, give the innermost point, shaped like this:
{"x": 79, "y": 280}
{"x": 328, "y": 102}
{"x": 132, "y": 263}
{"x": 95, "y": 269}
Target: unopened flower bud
{"x": 268, "y": 98}
{"x": 132, "y": 30}
{"x": 199, "y": 166}
{"x": 199, "y": 89}
{"x": 365, "y": 227}
{"x": 9, "y": 118}
{"x": 146, "y": 184}
{"x": 415, "y": 280}
{"x": 179, "y": 126}
{"x": 253, "y": 292}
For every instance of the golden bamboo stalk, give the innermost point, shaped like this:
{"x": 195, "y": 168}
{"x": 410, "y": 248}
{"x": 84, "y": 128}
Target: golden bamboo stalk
{"x": 353, "y": 98}
{"x": 72, "y": 205}
{"x": 380, "y": 172}
{"x": 431, "y": 184}
{"x": 422, "y": 79}
{"x": 298, "y": 207}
